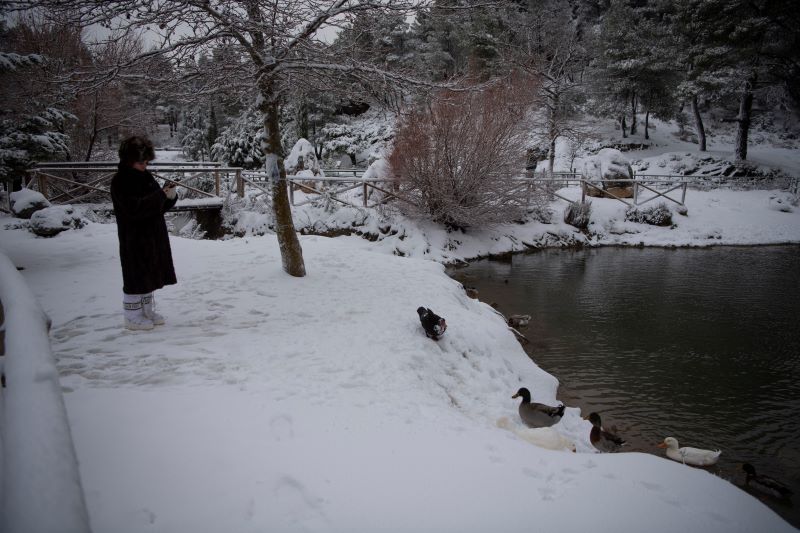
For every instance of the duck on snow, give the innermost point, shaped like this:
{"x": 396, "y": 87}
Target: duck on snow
{"x": 537, "y": 415}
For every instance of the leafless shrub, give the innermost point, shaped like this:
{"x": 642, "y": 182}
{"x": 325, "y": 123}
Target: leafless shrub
{"x": 578, "y": 214}
{"x": 656, "y": 215}
{"x": 457, "y": 159}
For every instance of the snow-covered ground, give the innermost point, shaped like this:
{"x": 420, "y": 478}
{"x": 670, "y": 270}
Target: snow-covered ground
{"x": 271, "y": 403}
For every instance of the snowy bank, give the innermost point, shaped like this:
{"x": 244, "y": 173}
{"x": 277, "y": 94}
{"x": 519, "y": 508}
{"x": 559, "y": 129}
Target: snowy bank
{"x": 317, "y": 404}
{"x": 38, "y": 469}
{"x": 716, "y": 217}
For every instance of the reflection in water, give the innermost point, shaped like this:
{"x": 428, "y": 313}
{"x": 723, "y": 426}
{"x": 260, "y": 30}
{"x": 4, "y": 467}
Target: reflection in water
{"x": 699, "y": 344}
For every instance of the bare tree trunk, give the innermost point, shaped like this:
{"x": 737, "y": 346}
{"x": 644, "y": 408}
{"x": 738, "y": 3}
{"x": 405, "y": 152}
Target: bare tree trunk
{"x": 552, "y": 133}
{"x": 745, "y": 110}
{"x": 624, "y": 127}
{"x": 647, "y": 124}
{"x": 633, "y": 113}
{"x": 93, "y": 136}
{"x": 698, "y": 120}
{"x": 289, "y": 244}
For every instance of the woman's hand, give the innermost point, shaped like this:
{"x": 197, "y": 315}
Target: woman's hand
{"x": 169, "y": 190}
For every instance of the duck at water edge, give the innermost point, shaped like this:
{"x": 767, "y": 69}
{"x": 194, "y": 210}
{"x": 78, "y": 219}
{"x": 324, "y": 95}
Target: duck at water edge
{"x": 765, "y": 484}
{"x": 603, "y": 440}
{"x": 537, "y": 415}
{"x": 688, "y": 455}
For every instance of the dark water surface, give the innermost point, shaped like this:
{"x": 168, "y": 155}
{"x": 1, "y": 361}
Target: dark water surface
{"x": 699, "y": 344}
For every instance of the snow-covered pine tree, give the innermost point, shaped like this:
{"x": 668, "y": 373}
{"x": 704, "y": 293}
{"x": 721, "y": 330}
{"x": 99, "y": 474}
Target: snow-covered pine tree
{"x": 239, "y": 144}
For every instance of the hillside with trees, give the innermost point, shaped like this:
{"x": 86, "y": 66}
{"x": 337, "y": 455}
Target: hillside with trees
{"x": 241, "y": 82}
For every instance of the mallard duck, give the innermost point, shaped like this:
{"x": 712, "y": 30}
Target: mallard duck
{"x": 765, "y": 484}
{"x": 537, "y": 415}
{"x": 546, "y": 437}
{"x": 516, "y": 321}
{"x": 687, "y": 455}
{"x": 603, "y": 440}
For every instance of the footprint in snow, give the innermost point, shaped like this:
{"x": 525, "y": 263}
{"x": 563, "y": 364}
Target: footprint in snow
{"x": 282, "y": 427}
{"x": 297, "y": 506}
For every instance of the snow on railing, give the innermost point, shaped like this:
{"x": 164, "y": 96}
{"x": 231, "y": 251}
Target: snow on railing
{"x": 41, "y": 488}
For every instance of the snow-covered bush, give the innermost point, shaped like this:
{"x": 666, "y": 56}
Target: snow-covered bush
{"x": 578, "y": 214}
{"x": 456, "y": 161}
{"x": 26, "y": 202}
{"x": 657, "y": 215}
{"x": 53, "y": 220}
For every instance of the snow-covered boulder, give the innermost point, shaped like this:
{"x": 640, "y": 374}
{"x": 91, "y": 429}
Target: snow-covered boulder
{"x": 379, "y": 169}
{"x": 26, "y": 202}
{"x": 302, "y": 157}
{"x": 53, "y": 220}
{"x": 609, "y": 164}
{"x": 302, "y": 162}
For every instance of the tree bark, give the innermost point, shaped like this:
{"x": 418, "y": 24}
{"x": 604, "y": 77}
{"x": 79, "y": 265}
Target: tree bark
{"x": 552, "y": 132}
{"x": 624, "y": 127}
{"x": 745, "y": 110}
{"x": 698, "y": 120}
{"x": 647, "y": 125}
{"x": 289, "y": 244}
{"x": 633, "y": 113}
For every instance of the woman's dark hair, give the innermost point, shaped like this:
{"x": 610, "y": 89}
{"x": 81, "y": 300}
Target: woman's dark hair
{"x": 136, "y": 150}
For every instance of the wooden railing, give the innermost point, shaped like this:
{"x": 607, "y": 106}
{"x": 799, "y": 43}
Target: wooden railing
{"x": 335, "y": 185}
{"x": 76, "y": 182}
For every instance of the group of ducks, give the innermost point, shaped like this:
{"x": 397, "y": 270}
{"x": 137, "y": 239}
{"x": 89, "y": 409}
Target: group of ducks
{"x": 538, "y": 415}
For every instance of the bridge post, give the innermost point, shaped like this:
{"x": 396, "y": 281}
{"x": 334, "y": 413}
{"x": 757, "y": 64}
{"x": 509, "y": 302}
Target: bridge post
{"x": 42, "y": 182}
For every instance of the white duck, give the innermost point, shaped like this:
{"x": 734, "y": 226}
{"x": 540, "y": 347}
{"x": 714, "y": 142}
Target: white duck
{"x": 687, "y": 455}
{"x": 546, "y": 437}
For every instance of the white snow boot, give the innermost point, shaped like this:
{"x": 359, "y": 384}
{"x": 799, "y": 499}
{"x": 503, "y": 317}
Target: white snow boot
{"x": 149, "y": 308}
{"x": 134, "y": 314}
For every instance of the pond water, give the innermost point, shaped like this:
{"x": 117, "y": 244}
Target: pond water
{"x": 699, "y": 344}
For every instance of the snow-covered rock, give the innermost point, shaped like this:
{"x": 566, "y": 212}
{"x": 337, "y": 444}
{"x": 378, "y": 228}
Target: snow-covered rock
{"x": 302, "y": 157}
{"x": 609, "y": 164}
{"x": 26, "y": 202}
{"x": 379, "y": 169}
{"x": 53, "y": 220}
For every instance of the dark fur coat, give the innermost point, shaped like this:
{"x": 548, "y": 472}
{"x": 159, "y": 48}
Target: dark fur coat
{"x": 144, "y": 251}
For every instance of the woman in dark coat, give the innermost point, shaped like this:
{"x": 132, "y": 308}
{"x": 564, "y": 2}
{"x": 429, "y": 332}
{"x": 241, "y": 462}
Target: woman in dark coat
{"x": 144, "y": 251}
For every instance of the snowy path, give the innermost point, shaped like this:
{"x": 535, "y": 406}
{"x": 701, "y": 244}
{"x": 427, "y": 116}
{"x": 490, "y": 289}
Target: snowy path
{"x": 317, "y": 404}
